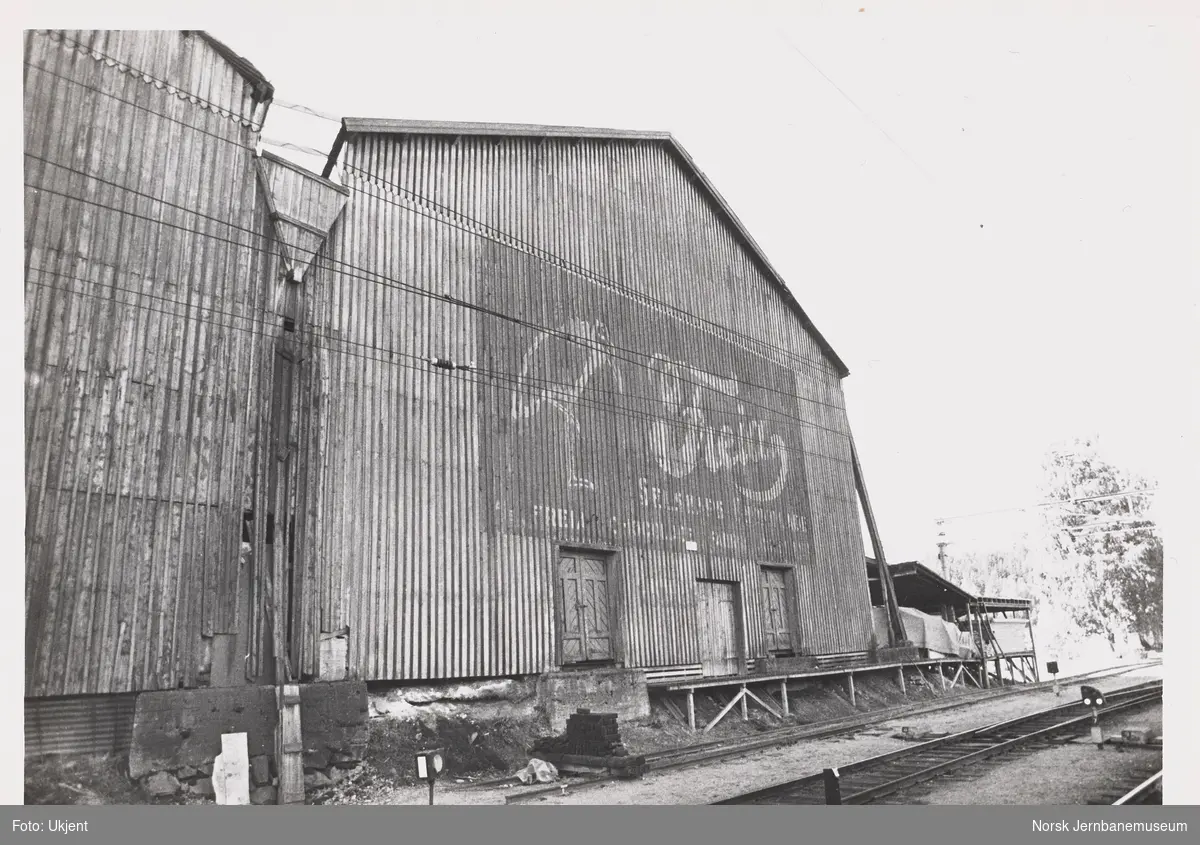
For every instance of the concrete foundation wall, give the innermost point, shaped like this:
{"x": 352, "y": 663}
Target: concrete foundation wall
{"x": 620, "y": 691}
{"x": 181, "y": 729}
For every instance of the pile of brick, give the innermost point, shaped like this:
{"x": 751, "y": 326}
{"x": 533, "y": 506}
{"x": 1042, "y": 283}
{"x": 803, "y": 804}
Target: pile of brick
{"x": 592, "y": 743}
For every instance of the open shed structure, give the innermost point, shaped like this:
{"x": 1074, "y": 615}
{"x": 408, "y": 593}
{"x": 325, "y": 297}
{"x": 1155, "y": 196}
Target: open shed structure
{"x": 999, "y": 631}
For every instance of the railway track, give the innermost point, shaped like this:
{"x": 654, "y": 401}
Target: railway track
{"x": 709, "y": 752}
{"x": 869, "y": 781}
{"x": 1135, "y": 791}
{"x": 704, "y": 752}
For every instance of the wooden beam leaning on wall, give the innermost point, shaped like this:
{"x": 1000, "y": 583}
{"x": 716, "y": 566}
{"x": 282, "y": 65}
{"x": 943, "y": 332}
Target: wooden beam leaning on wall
{"x": 895, "y": 625}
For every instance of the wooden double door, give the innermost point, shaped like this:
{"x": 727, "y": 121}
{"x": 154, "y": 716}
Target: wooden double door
{"x": 585, "y": 608}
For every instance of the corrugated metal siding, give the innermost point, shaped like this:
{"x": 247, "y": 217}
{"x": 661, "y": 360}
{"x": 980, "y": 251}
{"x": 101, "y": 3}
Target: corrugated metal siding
{"x": 444, "y": 494}
{"x": 90, "y": 724}
{"x": 306, "y": 207}
{"x": 145, "y": 301}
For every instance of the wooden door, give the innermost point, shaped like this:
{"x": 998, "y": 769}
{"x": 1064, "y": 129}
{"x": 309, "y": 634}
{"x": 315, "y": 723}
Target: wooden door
{"x": 720, "y": 643}
{"x": 585, "y": 612}
{"x": 777, "y": 613}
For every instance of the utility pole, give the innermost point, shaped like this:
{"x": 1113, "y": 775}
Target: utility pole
{"x": 942, "y": 546}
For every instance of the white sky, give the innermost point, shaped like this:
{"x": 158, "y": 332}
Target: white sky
{"x": 993, "y": 221}
{"x": 985, "y": 216}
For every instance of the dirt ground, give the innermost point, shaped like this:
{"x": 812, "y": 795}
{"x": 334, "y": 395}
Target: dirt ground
{"x": 714, "y": 782}
{"x": 483, "y": 755}
{"x": 1065, "y": 775}
{"x": 80, "y": 780}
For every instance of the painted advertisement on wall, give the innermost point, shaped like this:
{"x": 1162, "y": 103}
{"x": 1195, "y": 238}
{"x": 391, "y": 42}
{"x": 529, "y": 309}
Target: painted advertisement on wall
{"x": 612, "y": 422}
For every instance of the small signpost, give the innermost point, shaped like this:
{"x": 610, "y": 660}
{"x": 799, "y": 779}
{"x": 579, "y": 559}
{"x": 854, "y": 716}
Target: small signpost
{"x": 1094, "y": 699}
{"x": 429, "y": 767}
{"x": 1052, "y": 668}
{"x": 833, "y": 786}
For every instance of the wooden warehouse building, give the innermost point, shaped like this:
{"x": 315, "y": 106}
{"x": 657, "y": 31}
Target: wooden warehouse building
{"x": 480, "y": 401}
{"x": 647, "y": 460}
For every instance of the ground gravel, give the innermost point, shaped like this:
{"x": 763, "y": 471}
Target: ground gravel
{"x": 1074, "y": 773}
{"x": 704, "y": 784}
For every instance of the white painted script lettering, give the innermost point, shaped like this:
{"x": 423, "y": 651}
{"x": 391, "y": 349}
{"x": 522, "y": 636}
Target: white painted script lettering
{"x": 687, "y": 441}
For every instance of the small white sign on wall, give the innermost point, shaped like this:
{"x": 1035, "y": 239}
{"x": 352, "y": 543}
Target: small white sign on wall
{"x": 231, "y": 771}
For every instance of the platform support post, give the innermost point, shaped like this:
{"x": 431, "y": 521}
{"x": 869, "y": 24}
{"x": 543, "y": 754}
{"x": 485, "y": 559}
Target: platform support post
{"x": 745, "y": 712}
{"x": 941, "y": 677}
{"x": 783, "y": 695}
{"x": 691, "y": 695}
{"x": 850, "y": 685}
{"x": 903, "y": 686}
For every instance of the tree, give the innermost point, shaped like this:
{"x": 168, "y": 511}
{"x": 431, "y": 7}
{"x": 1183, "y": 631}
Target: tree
{"x": 1007, "y": 573}
{"x": 1107, "y": 567}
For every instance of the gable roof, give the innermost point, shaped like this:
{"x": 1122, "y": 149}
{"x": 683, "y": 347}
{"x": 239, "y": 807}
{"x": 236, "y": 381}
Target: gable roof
{"x": 263, "y": 90}
{"x": 373, "y": 126}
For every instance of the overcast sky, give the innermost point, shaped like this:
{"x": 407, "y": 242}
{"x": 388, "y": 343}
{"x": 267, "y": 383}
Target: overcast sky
{"x": 989, "y": 218}
{"x": 992, "y": 219}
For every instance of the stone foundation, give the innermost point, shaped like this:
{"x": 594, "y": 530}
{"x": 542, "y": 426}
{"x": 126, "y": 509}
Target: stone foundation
{"x": 177, "y": 734}
{"x": 619, "y": 691}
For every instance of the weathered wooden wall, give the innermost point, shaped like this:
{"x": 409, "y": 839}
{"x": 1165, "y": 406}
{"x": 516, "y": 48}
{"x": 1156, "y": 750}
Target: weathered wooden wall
{"x": 149, "y": 327}
{"x": 614, "y": 289}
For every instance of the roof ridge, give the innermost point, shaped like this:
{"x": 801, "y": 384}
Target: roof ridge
{"x": 371, "y": 126}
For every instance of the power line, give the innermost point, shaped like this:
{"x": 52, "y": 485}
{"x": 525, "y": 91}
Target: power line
{"x": 264, "y": 325}
{"x": 585, "y": 272}
{"x": 288, "y": 145}
{"x": 1053, "y": 503}
{"x": 391, "y": 283}
{"x": 536, "y": 251}
{"x": 563, "y": 335}
{"x": 284, "y": 104}
{"x": 191, "y": 126}
{"x": 557, "y": 388}
{"x": 127, "y": 69}
{"x": 859, "y": 108}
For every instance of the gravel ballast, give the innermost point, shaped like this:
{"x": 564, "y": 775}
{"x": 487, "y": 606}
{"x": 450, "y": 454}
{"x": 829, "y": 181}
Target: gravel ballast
{"x": 722, "y": 779}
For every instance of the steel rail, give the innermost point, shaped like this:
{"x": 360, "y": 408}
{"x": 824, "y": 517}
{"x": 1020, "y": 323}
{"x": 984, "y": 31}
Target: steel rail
{"x": 845, "y": 724}
{"x": 931, "y": 760}
{"x": 868, "y": 795}
{"x": 700, "y": 753}
{"x": 1141, "y": 792}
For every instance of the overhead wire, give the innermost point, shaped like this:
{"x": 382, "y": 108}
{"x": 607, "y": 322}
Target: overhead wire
{"x": 189, "y": 125}
{"x": 1052, "y": 503}
{"x": 579, "y": 269}
{"x": 384, "y": 281}
{"x": 563, "y": 389}
{"x": 563, "y": 335}
{"x": 859, "y": 108}
{"x": 127, "y": 69}
{"x": 565, "y": 263}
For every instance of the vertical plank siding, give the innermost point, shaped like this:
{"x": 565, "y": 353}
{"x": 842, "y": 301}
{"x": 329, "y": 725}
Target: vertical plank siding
{"x": 624, "y": 377}
{"x": 454, "y": 489}
{"x": 143, "y": 341}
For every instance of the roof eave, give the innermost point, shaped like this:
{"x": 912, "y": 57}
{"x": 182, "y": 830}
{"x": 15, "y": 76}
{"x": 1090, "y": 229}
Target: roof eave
{"x": 335, "y": 151}
{"x": 361, "y": 125}
{"x": 263, "y": 89}
{"x": 760, "y": 254}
